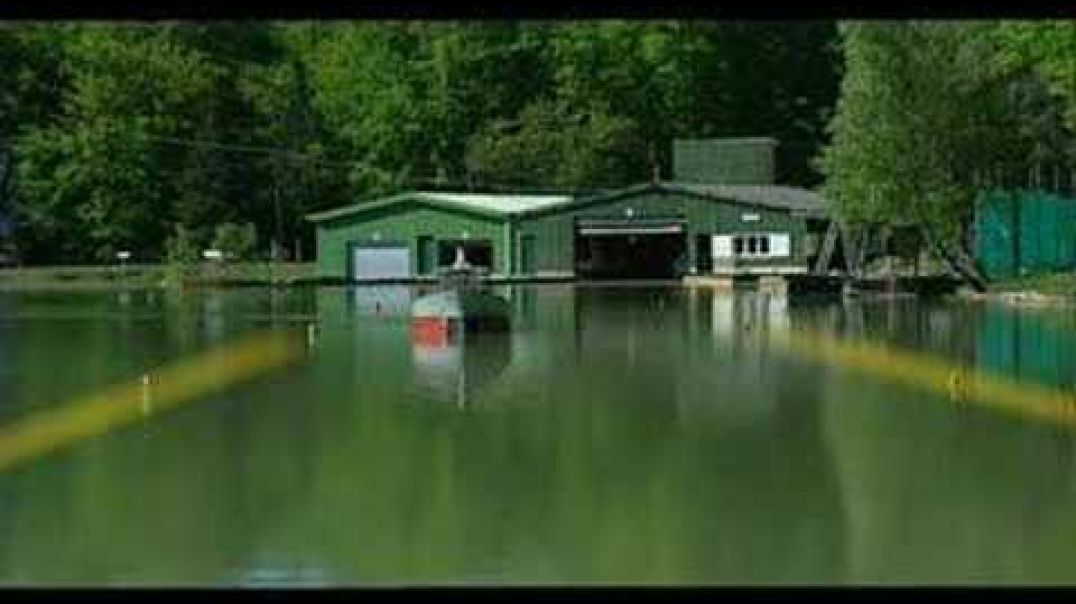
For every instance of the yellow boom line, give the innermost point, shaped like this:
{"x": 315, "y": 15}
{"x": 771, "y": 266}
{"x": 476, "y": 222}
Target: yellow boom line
{"x": 932, "y": 373}
{"x": 183, "y": 381}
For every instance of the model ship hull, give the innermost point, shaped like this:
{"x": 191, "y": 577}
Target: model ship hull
{"x": 443, "y": 315}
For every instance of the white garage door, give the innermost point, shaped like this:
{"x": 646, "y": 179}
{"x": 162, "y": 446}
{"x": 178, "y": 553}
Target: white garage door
{"x": 380, "y": 262}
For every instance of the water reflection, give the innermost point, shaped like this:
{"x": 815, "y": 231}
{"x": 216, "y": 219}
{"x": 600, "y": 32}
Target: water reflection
{"x": 458, "y": 369}
{"x": 380, "y": 301}
{"x": 642, "y": 435}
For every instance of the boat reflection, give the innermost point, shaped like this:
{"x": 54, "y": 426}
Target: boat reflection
{"x": 458, "y": 367}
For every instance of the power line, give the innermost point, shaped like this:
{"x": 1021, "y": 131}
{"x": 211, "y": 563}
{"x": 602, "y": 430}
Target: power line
{"x": 278, "y": 151}
{"x": 295, "y": 155}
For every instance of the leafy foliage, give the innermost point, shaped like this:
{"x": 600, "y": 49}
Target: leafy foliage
{"x": 927, "y": 112}
{"x": 237, "y": 241}
{"x": 120, "y": 132}
{"x": 181, "y": 247}
{"x": 1048, "y": 46}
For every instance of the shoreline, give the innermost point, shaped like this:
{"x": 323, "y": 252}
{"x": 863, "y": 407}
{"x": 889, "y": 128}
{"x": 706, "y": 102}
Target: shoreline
{"x": 1044, "y": 291}
{"x": 1037, "y": 291}
{"x": 153, "y": 276}
{"x": 1020, "y": 298}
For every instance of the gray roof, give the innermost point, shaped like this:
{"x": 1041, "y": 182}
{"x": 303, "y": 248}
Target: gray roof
{"x": 792, "y": 199}
{"x": 497, "y": 205}
{"x": 726, "y": 141}
{"x": 774, "y": 196}
{"x": 504, "y": 205}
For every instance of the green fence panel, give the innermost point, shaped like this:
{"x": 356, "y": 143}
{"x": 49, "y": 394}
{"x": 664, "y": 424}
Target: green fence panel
{"x": 1022, "y": 232}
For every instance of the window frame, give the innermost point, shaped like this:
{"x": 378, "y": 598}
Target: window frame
{"x": 757, "y": 245}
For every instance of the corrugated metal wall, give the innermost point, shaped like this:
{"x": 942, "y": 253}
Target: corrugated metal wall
{"x": 555, "y": 233}
{"x": 1025, "y": 232}
{"x": 404, "y": 224}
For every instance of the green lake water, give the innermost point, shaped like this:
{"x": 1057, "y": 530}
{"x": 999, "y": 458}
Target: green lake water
{"x": 650, "y": 435}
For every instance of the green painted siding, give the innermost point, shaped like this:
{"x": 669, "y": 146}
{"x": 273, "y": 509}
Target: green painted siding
{"x": 404, "y": 223}
{"x": 554, "y": 234}
{"x": 550, "y": 237}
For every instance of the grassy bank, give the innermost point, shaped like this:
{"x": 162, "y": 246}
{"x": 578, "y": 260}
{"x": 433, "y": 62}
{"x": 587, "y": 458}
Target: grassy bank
{"x": 154, "y": 275}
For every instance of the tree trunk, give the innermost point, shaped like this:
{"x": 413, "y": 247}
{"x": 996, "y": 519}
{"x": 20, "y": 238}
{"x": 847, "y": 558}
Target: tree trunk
{"x": 278, "y": 219}
{"x": 5, "y": 175}
{"x": 958, "y": 261}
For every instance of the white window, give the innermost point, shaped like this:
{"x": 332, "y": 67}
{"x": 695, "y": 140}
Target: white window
{"x": 721, "y": 246}
{"x": 752, "y": 245}
{"x": 779, "y": 245}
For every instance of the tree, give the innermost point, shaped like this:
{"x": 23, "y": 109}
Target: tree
{"x": 237, "y": 241}
{"x": 95, "y": 180}
{"x": 552, "y": 145}
{"x": 924, "y": 111}
{"x": 1048, "y": 46}
{"x": 115, "y": 133}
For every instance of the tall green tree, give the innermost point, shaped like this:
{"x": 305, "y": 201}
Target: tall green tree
{"x": 1050, "y": 48}
{"x": 94, "y": 180}
{"x": 926, "y": 111}
{"x": 550, "y": 144}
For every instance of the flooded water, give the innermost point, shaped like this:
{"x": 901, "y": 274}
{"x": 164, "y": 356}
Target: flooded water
{"x": 649, "y": 435}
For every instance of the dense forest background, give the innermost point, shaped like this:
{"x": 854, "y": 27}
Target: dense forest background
{"x": 114, "y": 134}
{"x": 129, "y": 136}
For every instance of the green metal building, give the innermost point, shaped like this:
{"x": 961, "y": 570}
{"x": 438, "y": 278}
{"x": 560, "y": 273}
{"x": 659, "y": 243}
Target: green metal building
{"x": 657, "y": 229}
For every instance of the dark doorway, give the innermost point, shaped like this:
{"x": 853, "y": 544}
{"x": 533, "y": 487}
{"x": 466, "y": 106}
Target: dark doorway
{"x": 478, "y": 252}
{"x": 631, "y": 255}
{"x": 427, "y": 259}
{"x": 704, "y": 260}
{"x": 526, "y": 254}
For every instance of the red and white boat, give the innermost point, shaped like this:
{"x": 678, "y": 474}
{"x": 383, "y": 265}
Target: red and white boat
{"x": 462, "y": 305}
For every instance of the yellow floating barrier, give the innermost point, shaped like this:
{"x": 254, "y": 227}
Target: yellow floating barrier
{"x": 933, "y": 373}
{"x": 159, "y": 390}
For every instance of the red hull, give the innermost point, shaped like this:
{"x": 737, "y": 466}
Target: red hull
{"x": 433, "y": 331}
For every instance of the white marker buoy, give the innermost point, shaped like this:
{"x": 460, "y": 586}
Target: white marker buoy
{"x": 145, "y": 394}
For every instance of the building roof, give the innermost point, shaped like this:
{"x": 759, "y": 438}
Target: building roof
{"x": 512, "y": 205}
{"x": 775, "y": 196}
{"x": 506, "y": 204}
{"x": 498, "y": 205}
{"x": 778, "y": 197}
{"x": 726, "y": 140}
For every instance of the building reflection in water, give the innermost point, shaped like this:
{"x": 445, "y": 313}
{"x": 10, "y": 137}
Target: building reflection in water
{"x": 457, "y": 369}
{"x": 387, "y": 300}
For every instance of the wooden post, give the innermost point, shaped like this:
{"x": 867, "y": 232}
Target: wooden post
{"x": 1017, "y": 235}
{"x": 146, "y": 394}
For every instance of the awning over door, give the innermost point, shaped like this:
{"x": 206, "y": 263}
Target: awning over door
{"x": 629, "y": 226}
